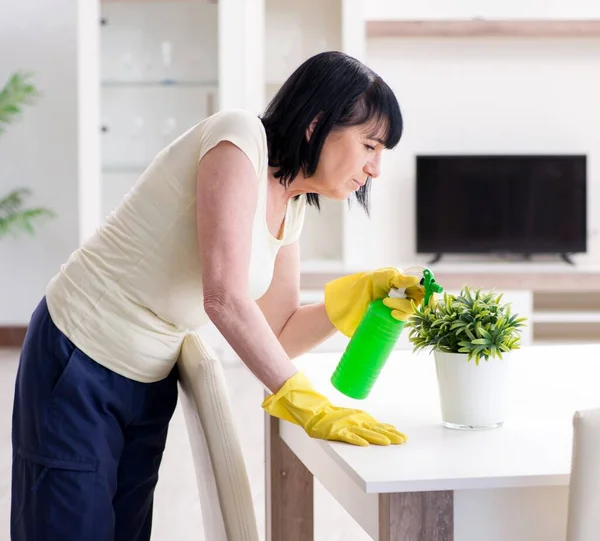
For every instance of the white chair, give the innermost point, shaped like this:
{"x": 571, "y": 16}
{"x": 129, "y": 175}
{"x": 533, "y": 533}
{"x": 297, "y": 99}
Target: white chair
{"x": 583, "y": 523}
{"x": 223, "y": 485}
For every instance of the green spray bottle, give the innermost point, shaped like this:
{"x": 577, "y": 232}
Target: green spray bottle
{"x": 373, "y": 341}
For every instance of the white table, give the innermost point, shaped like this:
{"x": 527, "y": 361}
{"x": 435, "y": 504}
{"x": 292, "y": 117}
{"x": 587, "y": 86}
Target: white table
{"x": 408, "y": 492}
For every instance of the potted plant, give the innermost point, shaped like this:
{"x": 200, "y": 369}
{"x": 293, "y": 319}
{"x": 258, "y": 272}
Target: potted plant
{"x": 472, "y": 335}
{"x": 14, "y": 215}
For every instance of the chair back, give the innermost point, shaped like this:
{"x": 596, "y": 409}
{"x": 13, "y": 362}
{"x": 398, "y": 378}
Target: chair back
{"x": 223, "y": 484}
{"x": 583, "y": 523}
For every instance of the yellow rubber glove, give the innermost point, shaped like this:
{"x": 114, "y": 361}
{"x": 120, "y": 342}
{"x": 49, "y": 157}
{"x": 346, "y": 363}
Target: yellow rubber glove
{"x": 299, "y": 403}
{"x": 402, "y": 308}
{"x": 347, "y": 298}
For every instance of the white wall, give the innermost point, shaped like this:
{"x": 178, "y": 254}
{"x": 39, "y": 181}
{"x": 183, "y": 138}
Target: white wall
{"x": 480, "y": 95}
{"x": 41, "y": 150}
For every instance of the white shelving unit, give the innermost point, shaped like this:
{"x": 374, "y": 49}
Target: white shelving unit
{"x": 568, "y": 315}
{"x": 565, "y": 316}
{"x": 296, "y": 30}
{"x": 462, "y": 10}
{"x": 165, "y": 66}
{"x": 159, "y": 77}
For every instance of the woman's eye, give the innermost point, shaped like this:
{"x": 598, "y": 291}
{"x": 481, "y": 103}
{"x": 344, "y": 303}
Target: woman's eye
{"x": 369, "y": 147}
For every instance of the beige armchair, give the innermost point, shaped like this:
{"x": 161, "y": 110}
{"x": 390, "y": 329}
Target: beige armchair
{"x": 583, "y": 523}
{"x": 223, "y": 485}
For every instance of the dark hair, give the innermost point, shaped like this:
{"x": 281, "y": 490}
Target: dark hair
{"x": 341, "y": 91}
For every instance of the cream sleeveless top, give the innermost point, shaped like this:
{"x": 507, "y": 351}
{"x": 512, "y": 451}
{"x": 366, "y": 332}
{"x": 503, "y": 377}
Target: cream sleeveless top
{"x": 129, "y": 294}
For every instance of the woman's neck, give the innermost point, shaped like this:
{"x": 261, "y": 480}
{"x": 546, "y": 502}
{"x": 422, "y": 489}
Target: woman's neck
{"x": 280, "y": 192}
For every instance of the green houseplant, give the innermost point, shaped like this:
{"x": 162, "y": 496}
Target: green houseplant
{"x": 14, "y": 215}
{"x": 472, "y": 335}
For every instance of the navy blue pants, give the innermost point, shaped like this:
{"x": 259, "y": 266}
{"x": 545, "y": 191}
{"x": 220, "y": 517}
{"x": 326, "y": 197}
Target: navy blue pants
{"x": 87, "y": 443}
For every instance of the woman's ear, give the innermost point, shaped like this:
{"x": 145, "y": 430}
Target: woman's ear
{"x": 311, "y": 128}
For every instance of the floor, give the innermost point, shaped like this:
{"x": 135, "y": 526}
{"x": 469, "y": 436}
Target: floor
{"x": 177, "y": 512}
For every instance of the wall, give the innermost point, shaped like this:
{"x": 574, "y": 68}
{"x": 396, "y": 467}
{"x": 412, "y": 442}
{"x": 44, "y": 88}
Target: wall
{"x": 41, "y": 150}
{"x": 479, "y": 95}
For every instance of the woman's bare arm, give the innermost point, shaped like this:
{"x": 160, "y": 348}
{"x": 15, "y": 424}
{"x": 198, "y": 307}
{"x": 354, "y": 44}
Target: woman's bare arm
{"x": 299, "y": 328}
{"x": 227, "y": 191}
{"x": 308, "y": 327}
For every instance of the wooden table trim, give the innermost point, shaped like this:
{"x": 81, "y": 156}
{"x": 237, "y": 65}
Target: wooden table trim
{"x": 288, "y": 491}
{"x": 416, "y": 516}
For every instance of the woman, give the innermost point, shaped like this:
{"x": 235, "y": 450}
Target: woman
{"x": 210, "y": 231}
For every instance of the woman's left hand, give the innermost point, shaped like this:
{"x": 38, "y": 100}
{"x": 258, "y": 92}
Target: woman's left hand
{"x": 401, "y": 308}
{"x": 347, "y": 298}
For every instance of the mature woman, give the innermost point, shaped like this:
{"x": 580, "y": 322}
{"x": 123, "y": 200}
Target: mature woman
{"x": 210, "y": 232}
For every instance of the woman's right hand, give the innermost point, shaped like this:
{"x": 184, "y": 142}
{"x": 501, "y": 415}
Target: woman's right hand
{"x": 299, "y": 403}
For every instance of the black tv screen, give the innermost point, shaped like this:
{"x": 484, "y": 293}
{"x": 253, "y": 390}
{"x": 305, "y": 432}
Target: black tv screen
{"x": 500, "y": 204}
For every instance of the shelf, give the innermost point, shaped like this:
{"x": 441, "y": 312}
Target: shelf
{"x": 483, "y": 28}
{"x": 565, "y": 317}
{"x": 295, "y": 30}
{"x": 547, "y": 341}
{"x": 155, "y": 84}
{"x": 123, "y": 169}
{"x": 515, "y": 267}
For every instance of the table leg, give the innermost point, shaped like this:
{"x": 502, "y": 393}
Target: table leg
{"x": 289, "y": 490}
{"x": 416, "y": 516}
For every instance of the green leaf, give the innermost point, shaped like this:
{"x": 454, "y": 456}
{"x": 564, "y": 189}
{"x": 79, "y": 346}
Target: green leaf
{"x": 14, "y": 218}
{"x": 473, "y": 322}
{"x": 470, "y": 333}
{"x": 17, "y": 91}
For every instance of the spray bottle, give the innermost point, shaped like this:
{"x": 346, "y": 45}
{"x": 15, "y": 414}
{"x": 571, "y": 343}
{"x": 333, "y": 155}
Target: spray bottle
{"x": 374, "y": 339}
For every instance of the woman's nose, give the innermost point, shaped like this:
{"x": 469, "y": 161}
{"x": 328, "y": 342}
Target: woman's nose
{"x": 372, "y": 168}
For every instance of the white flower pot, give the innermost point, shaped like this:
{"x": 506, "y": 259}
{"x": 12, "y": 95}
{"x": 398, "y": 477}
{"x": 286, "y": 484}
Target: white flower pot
{"x": 472, "y": 396}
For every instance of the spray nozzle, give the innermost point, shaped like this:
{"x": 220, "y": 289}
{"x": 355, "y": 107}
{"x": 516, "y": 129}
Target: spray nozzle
{"x": 430, "y": 285}
{"x": 427, "y": 280}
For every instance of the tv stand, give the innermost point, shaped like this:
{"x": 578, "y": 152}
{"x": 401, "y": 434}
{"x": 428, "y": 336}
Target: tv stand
{"x": 435, "y": 259}
{"x": 567, "y": 258}
{"x": 526, "y": 256}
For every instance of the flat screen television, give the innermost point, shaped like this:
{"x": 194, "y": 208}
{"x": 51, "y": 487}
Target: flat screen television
{"x": 515, "y": 204}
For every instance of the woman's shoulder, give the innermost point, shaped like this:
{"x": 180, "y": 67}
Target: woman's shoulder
{"x": 237, "y": 120}
{"x": 243, "y": 129}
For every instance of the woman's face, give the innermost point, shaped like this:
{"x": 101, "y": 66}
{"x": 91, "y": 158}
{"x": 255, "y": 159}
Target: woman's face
{"x": 349, "y": 156}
